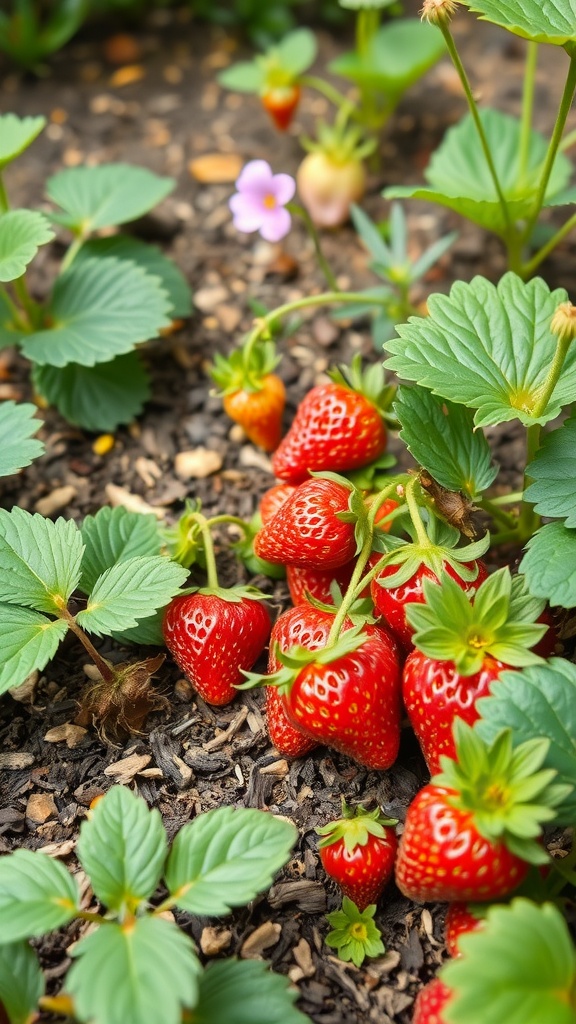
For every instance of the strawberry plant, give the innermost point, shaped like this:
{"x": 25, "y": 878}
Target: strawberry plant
{"x": 110, "y": 294}
{"x": 135, "y": 964}
{"x": 18, "y": 446}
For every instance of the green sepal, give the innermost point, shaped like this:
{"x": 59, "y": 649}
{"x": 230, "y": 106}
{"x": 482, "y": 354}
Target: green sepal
{"x": 244, "y": 369}
{"x": 505, "y": 788}
{"x": 497, "y": 620}
{"x": 232, "y": 594}
{"x": 360, "y": 613}
{"x": 297, "y": 658}
{"x": 370, "y": 382}
{"x": 409, "y": 558}
{"x": 354, "y": 934}
{"x": 354, "y": 827}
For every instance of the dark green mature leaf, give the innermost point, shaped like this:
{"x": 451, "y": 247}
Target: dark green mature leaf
{"x": 142, "y": 974}
{"x": 114, "y": 535}
{"x": 489, "y": 348}
{"x": 130, "y": 591}
{"x": 39, "y": 560}
{"x": 400, "y": 53}
{"x": 225, "y": 857}
{"x": 549, "y": 564}
{"x": 520, "y": 967}
{"x": 37, "y": 894}
{"x": 16, "y": 134}
{"x": 550, "y": 22}
{"x": 97, "y": 397}
{"x": 553, "y": 471}
{"x": 459, "y": 177}
{"x": 148, "y": 631}
{"x": 21, "y": 982}
{"x": 245, "y": 992}
{"x": 100, "y": 308}
{"x": 17, "y": 446}
{"x": 441, "y": 437}
{"x": 102, "y": 197}
{"x": 21, "y": 233}
{"x": 122, "y": 848}
{"x": 538, "y": 701}
{"x": 151, "y": 259}
{"x": 28, "y": 641}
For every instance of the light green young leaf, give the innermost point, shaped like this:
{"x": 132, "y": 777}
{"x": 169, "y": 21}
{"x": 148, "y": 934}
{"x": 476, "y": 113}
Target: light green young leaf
{"x": 549, "y": 564}
{"x": 401, "y": 52}
{"x": 105, "y": 196}
{"x": 151, "y": 259}
{"x": 519, "y": 968}
{"x": 17, "y": 446}
{"x": 459, "y": 177}
{"x": 553, "y": 471}
{"x": 246, "y": 992}
{"x": 539, "y": 701}
{"x": 100, "y": 309}
{"x": 130, "y": 591}
{"x": 21, "y": 982}
{"x": 441, "y": 437}
{"x": 297, "y": 50}
{"x": 552, "y": 22}
{"x": 489, "y": 348}
{"x": 245, "y": 76}
{"x": 99, "y": 397}
{"x": 37, "y": 894}
{"x": 16, "y": 134}
{"x": 142, "y": 974}
{"x": 21, "y": 233}
{"x": 28, "y": 641}
{"x": 114, "y": 535}
{"x": 39, "y": 560}
{"x": 122, "y": 848}
{"x": 225, "y": 857}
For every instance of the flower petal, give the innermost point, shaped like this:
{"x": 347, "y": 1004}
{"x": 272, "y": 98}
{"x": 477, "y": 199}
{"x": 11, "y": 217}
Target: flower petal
{"x": 248, "y": 213}
{"x": 255, "y": 178}
{"x": 283, "y": 188}
{"x": 276, "y": 224}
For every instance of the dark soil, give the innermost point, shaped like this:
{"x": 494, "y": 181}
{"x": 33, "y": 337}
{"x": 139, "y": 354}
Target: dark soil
{"x": 193, "y": 757}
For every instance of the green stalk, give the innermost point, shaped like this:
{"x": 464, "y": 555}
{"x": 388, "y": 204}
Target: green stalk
{"x": 504, "y": 518}
{"x": 332, "y": 94}
{"x": 325, "y": 267}
{"x": 211, "y": 571}
{"x": 32, "y": 309}
{"x": 232, "y": 520}
{"x": 4, "y": 204}
{"x": 507, "y": 499}
{"x": 529, "y": 520}
{"x": 15, "y": 313}
{"x": 532, "y": 264}
{"x": 72, "y": 252}
{"x": 527, "y": 108}
{"x": 105, "y": 669}
{"x": 417, "y": 522}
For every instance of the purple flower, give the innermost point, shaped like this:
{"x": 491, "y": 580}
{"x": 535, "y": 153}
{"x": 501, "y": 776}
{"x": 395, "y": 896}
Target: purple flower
{"x": 259, "y": 203}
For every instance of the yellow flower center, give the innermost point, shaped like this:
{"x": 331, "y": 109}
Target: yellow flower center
{"x": 269, "y": 201}
{"x": 358, "y": 931}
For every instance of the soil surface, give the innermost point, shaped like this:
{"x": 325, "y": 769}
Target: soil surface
{"x": 163, "y": 114}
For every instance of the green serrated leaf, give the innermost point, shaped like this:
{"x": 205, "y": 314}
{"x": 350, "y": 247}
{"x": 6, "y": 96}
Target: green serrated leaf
{"x": 105, "y": 196}
{"x": 99, "y": 309}
{"x": 459, "y": 178}
{"x": 488, "y": 347}
{"x": 37, "y": 894}
{"x": 552, "y": 22}
{"x": 39, "y": 559}
{"x": 540, "y": 701}
{"x": 398, "y": 55}
{"x": 553, "y": 471}
{"x": 549, "y": 564}
{"x": 129, "y": 591}
{"x": 16, "y": 134}
{"x": 28, "y": 642}
{"x": 246, "y": 992}
{"x": 148, "y": 632}
{"x": 114, "y": 535}
{"x": 21, "y": 233}
{"x": 21, "y": 982}
{"x": 225, "y": 857}
{"x": 122, "y": 848}
{"x": 17, "y": 447}
{"x": 519, "y": 968}
{"x": 139, "y": 974}
{"x": 97, "y": 398}
{"x": 441, "y": 437}
{"x": 151, "y": 259}
{"x": 245, "y": 76}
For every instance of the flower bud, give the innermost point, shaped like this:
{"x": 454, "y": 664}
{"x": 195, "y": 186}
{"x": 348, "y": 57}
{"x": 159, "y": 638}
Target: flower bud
{"x": 563, "y": 323}
{"x": 438, "y": 12}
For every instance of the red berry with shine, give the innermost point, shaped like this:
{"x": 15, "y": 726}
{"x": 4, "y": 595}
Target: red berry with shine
{"x": 273, "y": 499}
{"x": 358, "y": 852}
{"x": 460, "y": 920}
{"x": 431, "y": 1002}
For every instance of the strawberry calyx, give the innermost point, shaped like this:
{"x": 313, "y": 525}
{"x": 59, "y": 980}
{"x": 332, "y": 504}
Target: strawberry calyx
{"x": 341, "y": 143}
{"x": 505, "y": 789}
{"x": 369, "y": 382}
{"x": 183, "y": 541}
{"x": 360, "y": 611}
{"x": 498, "y": 619}
{"x": 235, "y": 595}
{"x": 354, "y": 827}
{"x": 354, "y": 933}
{"x": 245, "y": 368}
{"x": 297, "y": 658}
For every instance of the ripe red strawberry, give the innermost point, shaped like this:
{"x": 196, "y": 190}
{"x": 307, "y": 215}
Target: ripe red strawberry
{"x": 213, "y": 638}
{"x": 281, "y": 102}
{"x": 461, "y": 918}
{"x": 430, "y": 1003}
{"x": 337, "y": 427}
{"x": 307, "y": 531}
{"x": 273, "y": 499}
{"x": 317, "y": 582}
{"x": 259, "y": 411}
{"x": 358, "y": 852}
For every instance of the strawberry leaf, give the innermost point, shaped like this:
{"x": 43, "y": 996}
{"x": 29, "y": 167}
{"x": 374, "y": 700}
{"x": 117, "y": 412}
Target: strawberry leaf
{"x": 553, "y": 471}
{"x": 21, "y": 982}
{"x": 21, "y": 233}
{"x": 519, "y": 968}
{"x": 97, "y": 397}
{"x": 549, "y": 564}
{"x": 225, "y": 858}
{"x": 397, "y": 56}
{"x": 115, "y": 535}
{"x": 552, "y": 22}
{"x": 245, "y": 76}
{"x": 297, "y": 50}
{"x": 100, "y": 197}
{"x": 246, "y": 992}
{"x": 139, "y": 974}
{"x": 28, "y": 641}
{"x": 17, "y": 447}
{"x": 16, "y": 134}
{"x": 489, "y": 348}
{"x": 123, "y": 848}
{"x": 540, "y": 701}
{"x": 129, "y": 591}
{"x": 441, "y": 437}
{"x": 37, "y": 894}
{"x": 39, "y": 559}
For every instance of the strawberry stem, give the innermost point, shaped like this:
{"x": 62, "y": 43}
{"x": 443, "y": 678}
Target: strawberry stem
{"x": 208, "y": 545}
{"x": 232, "y": 520}
{"x": 104, "y": 668}
{"x": 325, "y": 267}
{"x": 423, "y": 538}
